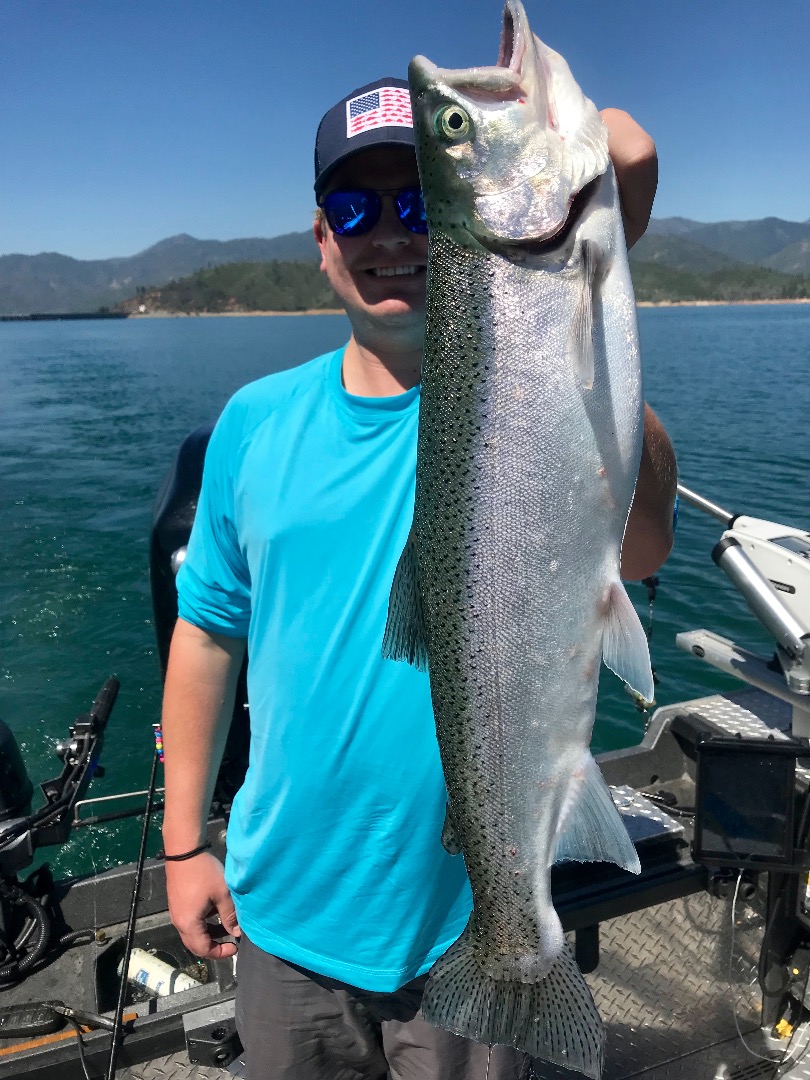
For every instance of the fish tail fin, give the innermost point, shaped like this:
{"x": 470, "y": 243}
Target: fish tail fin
{"x": 553, "y": 1018}
{"x": 591, "y": 828}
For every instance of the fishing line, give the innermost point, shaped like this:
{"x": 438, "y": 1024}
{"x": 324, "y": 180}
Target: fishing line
{"x": 95, "y": 953}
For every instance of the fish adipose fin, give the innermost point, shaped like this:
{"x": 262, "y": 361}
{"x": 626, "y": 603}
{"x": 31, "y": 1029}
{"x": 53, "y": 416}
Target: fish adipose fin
{"x": 450, "y": 840}
{"x": 624, "y": 645}
{"x": 553, "y": 1019}
{"x": 591, "y": 828}
{"x": 405, "y": 637}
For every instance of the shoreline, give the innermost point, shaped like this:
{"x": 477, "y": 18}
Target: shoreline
{"x": 719, "y": 303}
{"x": 340, "y": 311}
{"x": 229, "y": 314}
{"x": 45, "y": 317}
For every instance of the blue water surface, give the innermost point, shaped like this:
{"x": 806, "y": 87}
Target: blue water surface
{"x": 94, "y": 412}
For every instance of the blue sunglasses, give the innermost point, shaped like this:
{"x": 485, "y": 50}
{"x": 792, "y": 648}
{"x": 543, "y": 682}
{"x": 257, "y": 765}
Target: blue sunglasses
{"x": 354, "y": 213}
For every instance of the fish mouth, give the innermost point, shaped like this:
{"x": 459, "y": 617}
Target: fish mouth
{"x": 513, "y": 41}
{"x": 501, "y": 81}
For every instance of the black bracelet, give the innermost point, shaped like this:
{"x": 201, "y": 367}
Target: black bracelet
{"x": 187, "y": 854}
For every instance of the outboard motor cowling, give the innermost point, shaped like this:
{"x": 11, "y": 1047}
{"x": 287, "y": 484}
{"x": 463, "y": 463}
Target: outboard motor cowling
{"x": 16, "y": 788}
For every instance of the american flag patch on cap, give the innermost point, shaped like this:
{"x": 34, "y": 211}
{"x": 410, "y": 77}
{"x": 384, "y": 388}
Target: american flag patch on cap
{"x": 388, "y": 106}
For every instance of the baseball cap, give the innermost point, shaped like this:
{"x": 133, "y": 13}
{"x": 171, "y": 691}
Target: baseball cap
{"x": 378, "y": 114}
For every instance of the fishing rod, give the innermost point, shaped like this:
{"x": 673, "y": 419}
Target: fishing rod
{"x": 117, "y": 1032}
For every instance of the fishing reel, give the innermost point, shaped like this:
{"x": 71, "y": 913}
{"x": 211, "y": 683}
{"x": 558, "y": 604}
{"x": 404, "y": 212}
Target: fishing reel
{"x": 25, "y": 922}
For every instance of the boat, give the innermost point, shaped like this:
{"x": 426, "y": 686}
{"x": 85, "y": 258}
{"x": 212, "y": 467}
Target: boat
{"x": 699, "y": 965}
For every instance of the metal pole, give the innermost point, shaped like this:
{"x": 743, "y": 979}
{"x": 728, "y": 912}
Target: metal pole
{"x": 705, "y": 505}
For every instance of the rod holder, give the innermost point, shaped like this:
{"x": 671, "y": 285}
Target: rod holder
{"x": 761, "y": 597}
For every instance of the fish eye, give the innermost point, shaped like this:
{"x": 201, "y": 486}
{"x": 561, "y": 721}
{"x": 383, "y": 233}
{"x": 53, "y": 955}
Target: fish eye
{"x": 453, "y": 122}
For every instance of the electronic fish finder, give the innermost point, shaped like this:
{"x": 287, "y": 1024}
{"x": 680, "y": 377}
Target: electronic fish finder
{"x": 748, "y": 813}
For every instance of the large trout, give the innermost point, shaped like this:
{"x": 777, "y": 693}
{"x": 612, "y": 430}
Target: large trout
{"x": 508, "y": 591}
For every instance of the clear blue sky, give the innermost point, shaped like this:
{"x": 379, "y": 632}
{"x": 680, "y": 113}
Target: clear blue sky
{"x": 124, "y": 123}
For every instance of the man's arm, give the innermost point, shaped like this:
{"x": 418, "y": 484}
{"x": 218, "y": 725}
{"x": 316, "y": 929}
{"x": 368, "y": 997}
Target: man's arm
{"x": 635, "y": 160}
{"x": 197, "y": 705}
{"x": 648, "y": 536}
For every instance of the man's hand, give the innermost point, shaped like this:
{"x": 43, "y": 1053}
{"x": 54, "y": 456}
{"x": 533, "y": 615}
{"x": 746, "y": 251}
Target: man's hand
{"x": 636, "y": 163}
{"x": 197, "y": 893}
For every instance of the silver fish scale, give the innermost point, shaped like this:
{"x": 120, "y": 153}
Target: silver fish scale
{"x": 514, "y": 609}
{"x": 454, "y": 574}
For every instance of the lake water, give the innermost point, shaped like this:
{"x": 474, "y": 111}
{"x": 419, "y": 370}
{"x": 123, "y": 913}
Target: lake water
{"x": 94, "y": 412}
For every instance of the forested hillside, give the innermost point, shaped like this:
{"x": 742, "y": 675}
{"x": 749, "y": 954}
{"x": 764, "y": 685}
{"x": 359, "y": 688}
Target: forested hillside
{"x": 283, "y": 286}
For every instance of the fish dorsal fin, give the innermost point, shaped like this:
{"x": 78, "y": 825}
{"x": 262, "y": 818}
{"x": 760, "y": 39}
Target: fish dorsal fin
{"x": 624, "y": 645}
{"x": 591, "y": 828}
{"x": 405, "y": 636}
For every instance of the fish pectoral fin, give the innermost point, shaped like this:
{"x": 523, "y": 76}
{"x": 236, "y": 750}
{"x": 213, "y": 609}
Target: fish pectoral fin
{"x": 450, "y": 840}
{"x": 580, "y": 339}
{"x": 405, "y": 637}
{"x": 624, "y": 645}
{"x": 591, "y": 829}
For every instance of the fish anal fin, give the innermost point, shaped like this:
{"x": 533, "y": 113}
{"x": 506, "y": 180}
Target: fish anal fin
{"x": 591, "y": 828}
{"x": 405, "y": 636}
{"x": 624, "y": 644}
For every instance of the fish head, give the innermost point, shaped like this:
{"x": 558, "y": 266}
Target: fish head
{"x": 504, "y": 151}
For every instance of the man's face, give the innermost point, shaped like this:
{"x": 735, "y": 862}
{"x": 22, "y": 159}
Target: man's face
{"x": 360, "y": 269}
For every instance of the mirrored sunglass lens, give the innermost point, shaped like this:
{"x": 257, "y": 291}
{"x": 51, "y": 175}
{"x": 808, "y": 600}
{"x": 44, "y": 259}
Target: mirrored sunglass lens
{"x": 412, "y": 209}
{"x": 352, "y": 212}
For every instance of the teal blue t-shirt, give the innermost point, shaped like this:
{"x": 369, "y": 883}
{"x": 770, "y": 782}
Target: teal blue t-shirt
{"x": 334, "y": 859}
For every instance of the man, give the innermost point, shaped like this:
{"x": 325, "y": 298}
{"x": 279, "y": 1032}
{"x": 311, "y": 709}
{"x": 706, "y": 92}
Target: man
{"x": 344, "y": 894}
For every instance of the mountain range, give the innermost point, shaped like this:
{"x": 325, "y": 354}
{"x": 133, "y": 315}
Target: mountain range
{"x": 57, "y": 283}
{"x": 52, "y": 282}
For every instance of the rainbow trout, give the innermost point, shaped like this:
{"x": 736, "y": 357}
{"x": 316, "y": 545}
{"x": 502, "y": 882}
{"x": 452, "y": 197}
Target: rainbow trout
{"x": 508, "y": 590}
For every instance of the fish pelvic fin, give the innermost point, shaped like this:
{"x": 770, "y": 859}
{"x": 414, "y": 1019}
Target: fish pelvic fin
{"x": 591, "y": 828}
{"x": 405, "y": 637}
{"x": 624, "y": 645}
{"x": 553, "y": 1018}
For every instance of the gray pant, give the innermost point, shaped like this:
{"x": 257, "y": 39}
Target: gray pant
{"x": 296, "y": 1025}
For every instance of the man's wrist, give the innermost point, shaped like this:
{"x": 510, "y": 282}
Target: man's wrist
{"x": 182, "y": 856}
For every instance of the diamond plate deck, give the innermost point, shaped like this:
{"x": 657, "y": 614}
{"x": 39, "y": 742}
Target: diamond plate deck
{"x": 676, "y": 983}
{"x": 174, "y": 1067}
{"x": 662, "y": 988}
